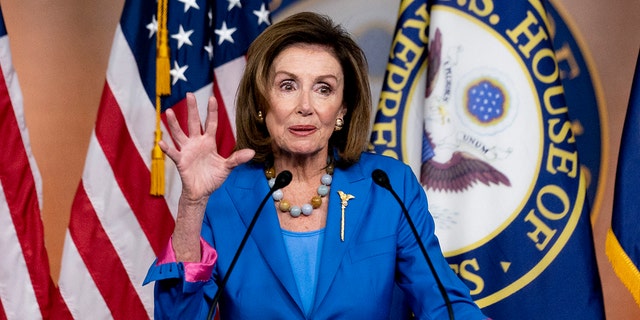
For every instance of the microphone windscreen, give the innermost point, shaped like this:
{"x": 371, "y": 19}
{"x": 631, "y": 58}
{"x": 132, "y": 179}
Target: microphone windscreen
{"x": 380, "y": 178}
{"x": 282, "y": 180}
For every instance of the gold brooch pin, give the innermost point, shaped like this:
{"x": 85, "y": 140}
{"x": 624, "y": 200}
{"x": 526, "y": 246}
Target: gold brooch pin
{"x": 344, "y": 202}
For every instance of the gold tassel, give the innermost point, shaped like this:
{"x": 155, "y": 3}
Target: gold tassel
{"x": 157, "y": 158}
{"x": 163, "y": 87}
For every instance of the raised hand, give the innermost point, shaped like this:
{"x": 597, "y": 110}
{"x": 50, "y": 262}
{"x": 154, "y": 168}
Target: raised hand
{"x": 195, "y": 154}
{"x": 202, "y": 170}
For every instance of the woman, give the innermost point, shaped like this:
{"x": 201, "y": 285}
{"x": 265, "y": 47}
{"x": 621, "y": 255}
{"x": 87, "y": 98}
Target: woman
{"x": 331, "y": 244}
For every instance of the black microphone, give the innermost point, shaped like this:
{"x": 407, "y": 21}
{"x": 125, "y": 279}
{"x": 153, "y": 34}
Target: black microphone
{"x": 380, "y": 178}
{"x": 282, "y": 180}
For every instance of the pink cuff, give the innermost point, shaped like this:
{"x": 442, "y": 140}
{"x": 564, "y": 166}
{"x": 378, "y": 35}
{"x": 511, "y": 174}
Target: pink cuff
{"x": 193, "y": 271}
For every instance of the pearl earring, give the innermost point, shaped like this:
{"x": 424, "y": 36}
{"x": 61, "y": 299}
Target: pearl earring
{"x": 260, "y": 117}
{"x": 339, "y": 124}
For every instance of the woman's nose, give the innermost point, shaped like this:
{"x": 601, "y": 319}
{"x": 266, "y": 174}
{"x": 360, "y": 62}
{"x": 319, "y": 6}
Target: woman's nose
{"x": 304, "y": 104}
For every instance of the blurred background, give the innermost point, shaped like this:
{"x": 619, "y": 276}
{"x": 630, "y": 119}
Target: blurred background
{"x": 61, "y": 49}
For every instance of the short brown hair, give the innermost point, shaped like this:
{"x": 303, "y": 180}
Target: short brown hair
{"x": 306, "y": 28}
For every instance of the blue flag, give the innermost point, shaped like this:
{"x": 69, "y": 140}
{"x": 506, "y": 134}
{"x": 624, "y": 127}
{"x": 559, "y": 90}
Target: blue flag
{"x": 496, "y": 155}
{"x": 398, "y": 130}
{"x": 623, "y": 239}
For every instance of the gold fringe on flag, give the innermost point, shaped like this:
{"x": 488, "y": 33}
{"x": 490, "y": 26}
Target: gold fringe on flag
{"x": 622, "y": 265}
{"x": 163, "y": 87}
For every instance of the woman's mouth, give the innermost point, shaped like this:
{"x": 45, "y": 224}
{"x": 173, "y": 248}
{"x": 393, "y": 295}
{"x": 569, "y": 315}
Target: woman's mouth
{"x": 302, "y": 130}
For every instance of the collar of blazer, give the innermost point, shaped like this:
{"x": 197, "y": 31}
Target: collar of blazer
{"x": 268, "y": 237}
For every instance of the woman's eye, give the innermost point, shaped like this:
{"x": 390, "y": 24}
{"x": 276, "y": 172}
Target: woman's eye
{"x": 287, "y": 85}
{"x": 324, "y": 89}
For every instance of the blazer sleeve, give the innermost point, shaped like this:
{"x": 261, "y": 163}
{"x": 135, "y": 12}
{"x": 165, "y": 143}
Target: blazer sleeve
{"x": 415, "y": 277}
{"x": 182, "y": 289}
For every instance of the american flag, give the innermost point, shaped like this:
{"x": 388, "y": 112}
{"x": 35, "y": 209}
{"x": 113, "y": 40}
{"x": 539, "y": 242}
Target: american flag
{"x": 26, "y": 288}
{"x": 116, "y": 227}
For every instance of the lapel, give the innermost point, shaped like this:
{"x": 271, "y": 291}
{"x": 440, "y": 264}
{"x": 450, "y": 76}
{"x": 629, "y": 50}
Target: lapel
{"x": 266, "y": 233}
{"x": 267, "y": 236}
{"x": 350, "y": 181}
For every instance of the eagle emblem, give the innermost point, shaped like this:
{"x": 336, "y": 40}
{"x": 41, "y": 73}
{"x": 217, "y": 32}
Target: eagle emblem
{"x": 485, "y": 103}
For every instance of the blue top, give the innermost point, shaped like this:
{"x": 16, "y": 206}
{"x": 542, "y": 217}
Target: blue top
{"x": 304, "y": 255}
{"x": 356, "y": 277}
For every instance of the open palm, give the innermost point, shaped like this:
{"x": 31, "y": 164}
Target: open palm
{"x": 202, "y": 169}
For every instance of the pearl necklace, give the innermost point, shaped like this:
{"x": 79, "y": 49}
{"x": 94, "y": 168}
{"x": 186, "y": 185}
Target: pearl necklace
{"x": 307, "y": 208}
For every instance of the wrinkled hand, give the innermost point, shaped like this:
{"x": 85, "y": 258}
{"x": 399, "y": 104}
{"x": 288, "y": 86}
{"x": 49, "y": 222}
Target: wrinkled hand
{"x": 195, "y": 154}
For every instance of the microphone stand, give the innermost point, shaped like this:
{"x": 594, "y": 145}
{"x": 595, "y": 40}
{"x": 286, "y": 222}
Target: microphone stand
{"x": 380, "y": 178}
{"x": 282, "y": 180}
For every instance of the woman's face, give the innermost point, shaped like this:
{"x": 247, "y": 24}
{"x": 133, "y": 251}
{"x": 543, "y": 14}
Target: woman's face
{"x": 305, "y": 98}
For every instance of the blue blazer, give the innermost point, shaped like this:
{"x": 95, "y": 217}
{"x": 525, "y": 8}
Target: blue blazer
{"x": 356, "y": 276}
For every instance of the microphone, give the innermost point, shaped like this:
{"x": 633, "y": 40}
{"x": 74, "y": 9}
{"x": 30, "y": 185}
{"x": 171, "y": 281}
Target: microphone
{"x": 282, "y": 180}
{"x": 380, "y": 178}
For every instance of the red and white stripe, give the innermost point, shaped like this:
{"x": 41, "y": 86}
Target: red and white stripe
{"x": 26, "y": 288}
{"x": 116, "y": 228}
